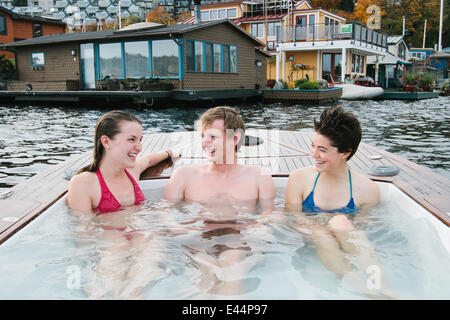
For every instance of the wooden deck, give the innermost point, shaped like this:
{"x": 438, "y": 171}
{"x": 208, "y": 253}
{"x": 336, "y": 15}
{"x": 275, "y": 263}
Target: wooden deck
{"x": 131, "y": 96}
{"x": 402, "y": 95}
{"x": 282, "y": 152}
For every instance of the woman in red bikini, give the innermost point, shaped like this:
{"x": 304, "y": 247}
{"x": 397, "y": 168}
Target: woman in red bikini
{"x": 105, "y": 193}
{"x": 109, "y": 182}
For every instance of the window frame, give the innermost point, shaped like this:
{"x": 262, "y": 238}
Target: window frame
{"x": 150, "y": 66}
{"x": 36, "y": 25}
{"x": 43, "y": 57}
{"x": 180, "y": 61}
{"x": 232, "y": 10}
{"x": 217, "y": 50}
{"x": 5, "y": 31}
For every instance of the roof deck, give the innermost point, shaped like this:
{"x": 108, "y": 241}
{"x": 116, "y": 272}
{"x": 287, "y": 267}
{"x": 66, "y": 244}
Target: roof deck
{"x": 348, "y": 34}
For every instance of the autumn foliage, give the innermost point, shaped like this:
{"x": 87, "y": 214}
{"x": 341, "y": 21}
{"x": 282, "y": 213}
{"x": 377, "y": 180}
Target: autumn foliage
{"x": 391, "y": 17}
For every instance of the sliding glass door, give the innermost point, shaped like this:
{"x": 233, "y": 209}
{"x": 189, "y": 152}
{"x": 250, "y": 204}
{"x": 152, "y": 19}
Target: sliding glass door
{"x": 331, "y": 67}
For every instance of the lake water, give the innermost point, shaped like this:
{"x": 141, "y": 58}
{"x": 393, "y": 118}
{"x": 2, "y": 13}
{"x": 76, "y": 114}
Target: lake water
{"x": 32, "y": 138}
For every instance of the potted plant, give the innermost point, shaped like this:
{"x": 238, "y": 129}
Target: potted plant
{"x": 7, "y": 69}
{"x": 426, "y": 79}
{"x": 446, "y": 88}
{"x": 410, "y": 81}
{"x": 308, "y": 85}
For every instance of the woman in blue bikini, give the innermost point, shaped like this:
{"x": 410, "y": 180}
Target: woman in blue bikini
{"x": 332, "y": 191}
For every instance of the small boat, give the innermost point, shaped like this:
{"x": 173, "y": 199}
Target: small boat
{"x": 356, "y": 92}
{"x": 417, "y": 194}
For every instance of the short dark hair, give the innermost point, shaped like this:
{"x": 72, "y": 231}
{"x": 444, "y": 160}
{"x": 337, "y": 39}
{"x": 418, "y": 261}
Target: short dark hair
{"x": 342, "y": 128}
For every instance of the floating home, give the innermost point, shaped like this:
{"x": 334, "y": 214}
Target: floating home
{"x": 141, "y": 63}
{"x": 389, "y": 68}
{"x": 304, "y": 42}
{"x": 15, "y": 26}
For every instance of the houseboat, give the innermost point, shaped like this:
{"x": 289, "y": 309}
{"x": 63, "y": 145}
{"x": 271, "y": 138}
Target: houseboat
{"x": 16, "y": 26}
{"x": 185, "y": 62}
{"x": 389, "y": 69}
{"x": 304, "y": 42}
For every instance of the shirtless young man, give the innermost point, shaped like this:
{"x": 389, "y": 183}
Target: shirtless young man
{"x": 219, "y": 185}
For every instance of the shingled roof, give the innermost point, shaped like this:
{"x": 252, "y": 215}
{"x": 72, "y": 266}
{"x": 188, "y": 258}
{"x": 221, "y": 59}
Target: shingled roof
{"x": 19, "y": 16}
{"x": 173, "y": 31}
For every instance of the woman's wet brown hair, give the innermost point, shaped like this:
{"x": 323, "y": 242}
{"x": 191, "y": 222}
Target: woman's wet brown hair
{"x": 107, "y": 125}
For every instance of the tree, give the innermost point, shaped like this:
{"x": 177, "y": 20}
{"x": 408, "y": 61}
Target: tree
{"x": 415, "y": 13}
{"x": 19, "y": 3}
{"x": 330, "y": 5}
{"x": 159, "y": 15}
{"x": 347, "y": 5}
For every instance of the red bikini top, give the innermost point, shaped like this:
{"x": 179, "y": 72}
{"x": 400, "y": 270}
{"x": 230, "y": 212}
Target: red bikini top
{"x": 108, "y": 202}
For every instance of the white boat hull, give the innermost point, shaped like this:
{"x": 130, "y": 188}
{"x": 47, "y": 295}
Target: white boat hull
{"x": 355, "y": 92}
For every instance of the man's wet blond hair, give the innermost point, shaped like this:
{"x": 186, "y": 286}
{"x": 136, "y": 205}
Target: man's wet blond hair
{"x": 231, "y": 118}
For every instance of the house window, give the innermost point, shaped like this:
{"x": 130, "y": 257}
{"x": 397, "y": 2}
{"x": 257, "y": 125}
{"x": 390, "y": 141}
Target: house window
{"x": 165, "y": 61}
{"x": 331, "y": 67}
{"x": 271, "y": 45}
{"x": 272, "y": 28}
{"x": 136, "y": 58}
{"x": 199, "y": 56}
{"x": 204, "y": 15}
{"x": 213, "y": 15}
{"x": 3, "y": 30}
{"x": 353, "y": 62}
{"x": 401, "y": 51}
{"x": 222, "y": 14}
{"x": 311, "y": 22}
{"x": 233, "y": 59}
{"x": 217, "y": 58}
{"x": 37, "y": 30}
{"x": 226, "y": 58}
{"x": 37, "y": 59}
{"x": 389, "y": 71}
{"x": 357, "y": 63}
{"x": 209, "y": 57}
{"x": 257, "y": 30}
{"x": 232, "y": 13}
{"x": 110, "y": 58}
{"x": 190, "y": 56}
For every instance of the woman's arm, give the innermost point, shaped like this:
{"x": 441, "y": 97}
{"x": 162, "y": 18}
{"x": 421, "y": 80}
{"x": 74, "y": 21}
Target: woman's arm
{"x": 294, "y": 191}
{"x": 79, "y": 198}
{"x": 148, "y": 160}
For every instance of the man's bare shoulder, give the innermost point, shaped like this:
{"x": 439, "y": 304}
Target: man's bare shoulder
{"x": 187, "y": 171}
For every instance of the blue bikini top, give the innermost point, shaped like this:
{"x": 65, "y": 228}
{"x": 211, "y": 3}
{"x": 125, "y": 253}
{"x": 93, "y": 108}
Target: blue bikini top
{"x": 310, "y": 206}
